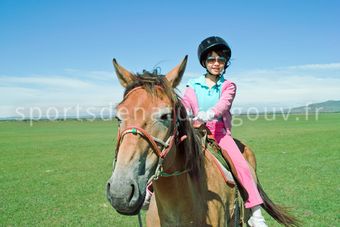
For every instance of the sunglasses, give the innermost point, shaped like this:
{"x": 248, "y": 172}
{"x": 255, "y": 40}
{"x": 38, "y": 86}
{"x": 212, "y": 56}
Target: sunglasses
{"x": 220, "y": 60}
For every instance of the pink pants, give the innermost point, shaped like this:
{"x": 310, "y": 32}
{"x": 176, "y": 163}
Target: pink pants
{"x": 245, "y": 177}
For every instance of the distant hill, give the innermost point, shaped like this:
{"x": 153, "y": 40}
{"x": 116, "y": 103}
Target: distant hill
{"x": 323, "y": 107}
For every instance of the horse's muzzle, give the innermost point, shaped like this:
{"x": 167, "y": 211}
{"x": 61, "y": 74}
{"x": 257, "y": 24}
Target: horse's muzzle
{"x": 125, "y": 198}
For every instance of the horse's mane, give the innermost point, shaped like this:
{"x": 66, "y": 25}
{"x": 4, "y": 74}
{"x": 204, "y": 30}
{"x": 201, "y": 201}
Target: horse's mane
{"x": 149, "y": 81}
{"x": 191, "y": 145}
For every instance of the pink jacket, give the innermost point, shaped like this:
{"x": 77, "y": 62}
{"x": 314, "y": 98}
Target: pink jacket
{"x": 222, "y": 107}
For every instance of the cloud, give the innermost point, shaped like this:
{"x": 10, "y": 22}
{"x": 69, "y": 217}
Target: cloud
{"x": 316, "y": 66}
{"x": 45, "y": 91}
{"x": 285, "y": 86}
{"x": 278, "y": 87}
{"x": 50, "y": 81}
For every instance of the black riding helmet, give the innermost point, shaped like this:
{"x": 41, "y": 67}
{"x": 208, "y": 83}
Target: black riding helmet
{"x": 210, "y": 44}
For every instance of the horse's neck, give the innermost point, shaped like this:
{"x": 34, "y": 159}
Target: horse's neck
{"x": 179, "y": 198}
{"x": 178, "y": 193}
{"x": 176, "y": 187}
{"x": 185, "y": 199}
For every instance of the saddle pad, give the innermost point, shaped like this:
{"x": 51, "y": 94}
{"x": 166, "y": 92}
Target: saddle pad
{"x": 214, "y": 150}
{"x": 220, "y": 162}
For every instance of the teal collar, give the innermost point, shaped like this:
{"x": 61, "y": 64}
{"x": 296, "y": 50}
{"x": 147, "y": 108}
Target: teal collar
{"x": 201, "y": 81}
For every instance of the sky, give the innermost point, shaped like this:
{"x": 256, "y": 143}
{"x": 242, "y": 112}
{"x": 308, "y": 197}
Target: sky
{"x": 58, "y": 54}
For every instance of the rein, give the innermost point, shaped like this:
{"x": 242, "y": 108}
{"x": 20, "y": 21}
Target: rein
{"x": 155, "y": 143}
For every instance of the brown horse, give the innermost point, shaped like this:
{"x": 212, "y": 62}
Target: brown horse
{"x": 157, "y": 143}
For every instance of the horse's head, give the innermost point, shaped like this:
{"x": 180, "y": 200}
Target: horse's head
{"x": 147, "y": 131}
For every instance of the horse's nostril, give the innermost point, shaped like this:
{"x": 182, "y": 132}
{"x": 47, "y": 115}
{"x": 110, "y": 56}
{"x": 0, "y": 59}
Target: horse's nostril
{"x": 132, "y": 192}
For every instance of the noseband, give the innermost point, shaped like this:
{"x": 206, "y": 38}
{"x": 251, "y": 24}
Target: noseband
{"x": 154, "y": 141}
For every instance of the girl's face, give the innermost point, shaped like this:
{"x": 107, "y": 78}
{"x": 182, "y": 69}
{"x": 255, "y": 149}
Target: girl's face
{"x": 215, "y": 63}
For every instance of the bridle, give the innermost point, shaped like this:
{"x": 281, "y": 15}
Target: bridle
{"x": 154, "y": 142}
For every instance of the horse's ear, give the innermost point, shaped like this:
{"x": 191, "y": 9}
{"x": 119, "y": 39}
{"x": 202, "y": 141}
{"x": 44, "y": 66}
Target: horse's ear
{"x": 175, "y": 75}
{"x": 125, "y": 77}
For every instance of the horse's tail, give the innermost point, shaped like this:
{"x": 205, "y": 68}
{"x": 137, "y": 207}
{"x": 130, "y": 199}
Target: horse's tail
{"x": 279, "y": 213}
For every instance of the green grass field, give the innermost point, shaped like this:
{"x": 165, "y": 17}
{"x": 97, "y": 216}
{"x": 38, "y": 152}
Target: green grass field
{"x": 54, "y": 173}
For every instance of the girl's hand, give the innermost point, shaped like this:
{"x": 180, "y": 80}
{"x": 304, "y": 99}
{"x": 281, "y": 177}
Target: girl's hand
{"x": 205, "y": 116}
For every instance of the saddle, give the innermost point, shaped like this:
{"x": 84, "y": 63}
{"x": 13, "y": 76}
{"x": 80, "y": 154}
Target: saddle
{"x": 221, "y": 156}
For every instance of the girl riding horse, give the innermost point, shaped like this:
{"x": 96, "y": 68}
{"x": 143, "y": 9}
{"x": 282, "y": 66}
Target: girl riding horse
{"x": 209, "y": 98}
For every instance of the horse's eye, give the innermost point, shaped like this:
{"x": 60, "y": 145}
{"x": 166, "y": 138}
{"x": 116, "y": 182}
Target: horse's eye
{"x": 165, "y": 117}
